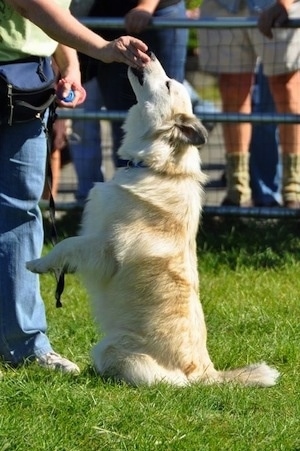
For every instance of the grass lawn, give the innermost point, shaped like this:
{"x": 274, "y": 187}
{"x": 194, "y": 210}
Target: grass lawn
{"x": 250, "y": 288}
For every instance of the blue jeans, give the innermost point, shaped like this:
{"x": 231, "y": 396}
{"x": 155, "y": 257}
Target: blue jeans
{"x": 22, "y": 175}
{"x": 265, "y": 166}
{"x": 85, "y": 143}
{"x": 168, "y": 44}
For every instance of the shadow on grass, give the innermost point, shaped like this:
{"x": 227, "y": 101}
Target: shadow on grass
{"x": 65, "y": 225}
{"x": 251, "y": 242}
{"x": 231, "y": 241}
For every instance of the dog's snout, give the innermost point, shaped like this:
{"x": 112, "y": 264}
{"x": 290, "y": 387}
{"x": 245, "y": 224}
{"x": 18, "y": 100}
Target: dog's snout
{"x": 151, "y": 55}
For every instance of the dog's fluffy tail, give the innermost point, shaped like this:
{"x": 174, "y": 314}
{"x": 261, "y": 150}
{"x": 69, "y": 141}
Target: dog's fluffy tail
{"x": 259, "y": 374}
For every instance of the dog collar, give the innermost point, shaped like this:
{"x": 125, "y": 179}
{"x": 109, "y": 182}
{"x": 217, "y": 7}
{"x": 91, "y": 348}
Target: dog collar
{"x": 140, "y": 164}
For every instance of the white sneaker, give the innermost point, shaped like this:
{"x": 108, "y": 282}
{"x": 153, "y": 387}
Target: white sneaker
{"x": 54, "y": 361}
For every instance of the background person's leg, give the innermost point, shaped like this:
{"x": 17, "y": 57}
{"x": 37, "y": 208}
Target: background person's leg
{"x": 265, "y": 167}
{"x": 285, "y": 89}
{"x": 85, "y": 143}
{"x": 236, "y": 98}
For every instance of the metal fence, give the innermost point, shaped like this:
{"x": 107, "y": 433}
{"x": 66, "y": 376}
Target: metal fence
{"x": 212, "y": 117}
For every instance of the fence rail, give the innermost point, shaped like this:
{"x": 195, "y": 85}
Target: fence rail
{"x": 255, "y": 118}
{"x": 218, "y": 22}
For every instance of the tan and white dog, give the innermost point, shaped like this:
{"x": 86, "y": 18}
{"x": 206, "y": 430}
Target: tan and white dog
{"x": 137, "y": 248}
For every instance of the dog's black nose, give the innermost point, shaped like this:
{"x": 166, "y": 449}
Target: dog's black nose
{"x": 151, "y": 55}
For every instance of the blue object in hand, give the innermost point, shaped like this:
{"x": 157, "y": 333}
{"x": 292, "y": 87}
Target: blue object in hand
{"x": 70, "y": 97}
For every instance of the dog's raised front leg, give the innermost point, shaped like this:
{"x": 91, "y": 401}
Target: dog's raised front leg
{"x": 64, "y": 255}
{"x": 75, "y": 254}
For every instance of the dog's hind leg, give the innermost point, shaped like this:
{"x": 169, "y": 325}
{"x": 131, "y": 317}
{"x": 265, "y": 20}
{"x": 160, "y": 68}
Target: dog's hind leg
{"x": 133, "y": 368}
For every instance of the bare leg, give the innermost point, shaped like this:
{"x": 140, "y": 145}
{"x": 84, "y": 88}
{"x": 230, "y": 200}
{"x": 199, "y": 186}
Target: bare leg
{"x": 285, "y": 89}
{"x": 235, "y": 91}
{"x": 55, "y": 174}
{"x": 285, "y": 92}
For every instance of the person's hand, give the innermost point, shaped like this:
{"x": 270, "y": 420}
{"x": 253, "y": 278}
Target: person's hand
{"x": 125, "y": 49}
{"x": 275, "y": 16}
{"x": 69, "y": 94}
{"x": 193, "y": 13}
{"x": 137, "y": 20}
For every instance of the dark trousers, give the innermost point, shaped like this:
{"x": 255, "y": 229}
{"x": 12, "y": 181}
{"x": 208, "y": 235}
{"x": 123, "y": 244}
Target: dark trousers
{"x": 265, "y": 167}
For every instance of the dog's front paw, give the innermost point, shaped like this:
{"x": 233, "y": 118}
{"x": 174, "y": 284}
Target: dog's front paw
{"x": 37, "y": 266}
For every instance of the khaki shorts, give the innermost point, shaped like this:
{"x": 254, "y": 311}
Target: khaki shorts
{"x": 237, "y": 50}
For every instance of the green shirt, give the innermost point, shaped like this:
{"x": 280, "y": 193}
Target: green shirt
{"x": 20, "y": 38}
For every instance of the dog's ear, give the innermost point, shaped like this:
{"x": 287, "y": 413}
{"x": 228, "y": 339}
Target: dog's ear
{"x": 191, "y": 130}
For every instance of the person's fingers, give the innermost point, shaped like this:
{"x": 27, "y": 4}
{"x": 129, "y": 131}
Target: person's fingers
{"x": 69, "y": 94}
{"x": 275, "y": 16}
{"x": 264, "y": 24}
{"x": 131, "y": 52}
{"x": 65, "y": 89}
{"x": 281, "y": 20}
{"x": 138, "y": 49}
{"x": 126, "y": 49}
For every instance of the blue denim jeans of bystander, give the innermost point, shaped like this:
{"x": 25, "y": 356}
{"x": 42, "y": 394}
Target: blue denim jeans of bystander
{"x": 22, "y": 174}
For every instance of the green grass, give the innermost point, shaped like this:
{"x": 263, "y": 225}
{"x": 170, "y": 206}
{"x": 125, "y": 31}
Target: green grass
{"x": 250, "y": 288}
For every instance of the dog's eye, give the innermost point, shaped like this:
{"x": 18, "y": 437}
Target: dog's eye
{"x": 168, "y": 85}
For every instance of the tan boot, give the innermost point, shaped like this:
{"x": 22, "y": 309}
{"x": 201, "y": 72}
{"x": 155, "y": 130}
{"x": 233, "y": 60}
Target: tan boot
{"x": 291, "y": 180}
{"x": 238, "y": 180}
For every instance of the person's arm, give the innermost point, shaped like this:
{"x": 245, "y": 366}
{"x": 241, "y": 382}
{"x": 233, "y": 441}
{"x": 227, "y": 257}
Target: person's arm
{"x": 64, "y": 28}
{"x": 68, "y": 68}
{"x": 275, "y": 16}
{"x": 138, "y": 18}
{"x": 67, "y": 63}
{"x": 285, "y": 3}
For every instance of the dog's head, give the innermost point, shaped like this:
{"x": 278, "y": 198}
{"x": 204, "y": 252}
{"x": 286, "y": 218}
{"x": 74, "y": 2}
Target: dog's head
{"x": 151, "y": 85}
{"x": 161, "y": 130}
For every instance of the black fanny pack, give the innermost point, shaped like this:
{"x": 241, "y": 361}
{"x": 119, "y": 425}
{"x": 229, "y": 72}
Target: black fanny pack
{"x": 26, "y": 89}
